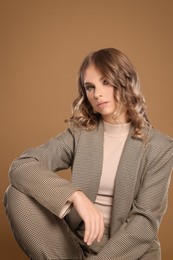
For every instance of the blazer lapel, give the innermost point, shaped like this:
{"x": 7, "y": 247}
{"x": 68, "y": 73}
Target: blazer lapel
{"x": 88, "y": 161}
{"x": 87, "y": 168}
{"x": 125, "y": 181}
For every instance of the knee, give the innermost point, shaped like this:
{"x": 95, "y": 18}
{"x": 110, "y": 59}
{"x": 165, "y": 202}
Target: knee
{"x": 15, "y": 203}
{"x": 11, "y": 197}
{"x": 7, "y": 195}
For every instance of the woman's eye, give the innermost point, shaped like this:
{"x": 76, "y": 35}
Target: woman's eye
{"x": 105, "y": 82}
{"x": 88, "y": 87}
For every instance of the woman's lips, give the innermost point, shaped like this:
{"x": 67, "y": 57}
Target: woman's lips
{"x": 102, "y": 104}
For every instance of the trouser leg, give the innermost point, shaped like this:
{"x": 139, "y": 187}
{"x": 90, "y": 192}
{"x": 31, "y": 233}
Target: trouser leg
{"x": 40, "y": 234}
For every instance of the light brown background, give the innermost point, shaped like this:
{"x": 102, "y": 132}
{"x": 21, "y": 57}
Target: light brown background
{"x": 42, "y": 46}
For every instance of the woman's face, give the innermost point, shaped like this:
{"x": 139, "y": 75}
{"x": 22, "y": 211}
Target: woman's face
{"x": 100, "y": 94}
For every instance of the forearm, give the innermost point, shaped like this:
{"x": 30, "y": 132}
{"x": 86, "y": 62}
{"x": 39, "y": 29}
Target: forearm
{"x": 32, "y": 178}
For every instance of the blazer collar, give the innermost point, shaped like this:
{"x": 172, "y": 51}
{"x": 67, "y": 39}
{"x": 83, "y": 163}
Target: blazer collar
{"x": 88, "y": 160}
{"x": 87, "y": 168}
{"x": 126, "y": 179}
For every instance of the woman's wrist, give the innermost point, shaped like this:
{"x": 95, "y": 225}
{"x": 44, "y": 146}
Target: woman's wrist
{"x": 74, "y": 196}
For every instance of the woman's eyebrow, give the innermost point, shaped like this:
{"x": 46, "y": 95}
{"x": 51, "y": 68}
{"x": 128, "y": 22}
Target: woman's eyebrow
{"x": 87, "y": 83}
{"x": 90, "y": 83}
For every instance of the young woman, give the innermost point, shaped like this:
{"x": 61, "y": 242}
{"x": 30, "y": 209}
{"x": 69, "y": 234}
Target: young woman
{"x": 121, "y": 168}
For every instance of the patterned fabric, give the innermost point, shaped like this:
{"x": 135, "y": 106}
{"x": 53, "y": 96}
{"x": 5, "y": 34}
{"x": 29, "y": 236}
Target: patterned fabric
{"x": 40, "y": 234}
{"x": 140, "y": 193}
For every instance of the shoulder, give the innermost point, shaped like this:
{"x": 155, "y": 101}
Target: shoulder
{"x": 77, "y": 131}
{"x": 158, "y": 138}
{"x": 159, "y": 146}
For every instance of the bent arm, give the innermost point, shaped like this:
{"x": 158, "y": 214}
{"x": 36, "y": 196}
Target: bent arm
{"x": 34, "y": 172}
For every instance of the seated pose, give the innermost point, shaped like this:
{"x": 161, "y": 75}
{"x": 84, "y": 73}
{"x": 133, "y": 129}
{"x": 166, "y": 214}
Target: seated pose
{"x": 112, "y": 207}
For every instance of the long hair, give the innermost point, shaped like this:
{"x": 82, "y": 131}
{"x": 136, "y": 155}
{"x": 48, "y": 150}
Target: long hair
{"x": 121, "y": 74}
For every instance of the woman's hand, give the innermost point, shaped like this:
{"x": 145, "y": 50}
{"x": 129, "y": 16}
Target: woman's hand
{"x": 91, "y": 215}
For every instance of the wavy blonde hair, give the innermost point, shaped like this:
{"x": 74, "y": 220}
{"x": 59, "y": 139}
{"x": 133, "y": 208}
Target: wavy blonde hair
{"x": 120, "y": 73}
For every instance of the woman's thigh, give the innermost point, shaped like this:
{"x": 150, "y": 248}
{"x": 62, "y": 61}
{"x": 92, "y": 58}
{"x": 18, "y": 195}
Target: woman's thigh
{"x": 39, "y": 233}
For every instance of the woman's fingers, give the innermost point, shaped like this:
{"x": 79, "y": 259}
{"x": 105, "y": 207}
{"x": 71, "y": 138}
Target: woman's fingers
{"x": 101, "y": 228}
{"x": 88, "y": 229}
{"x": 91, "y": 215}
{"x": 94, "y": 228}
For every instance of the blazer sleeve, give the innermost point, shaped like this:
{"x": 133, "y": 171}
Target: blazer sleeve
{"x": 34, "y": 172}
{"x": 136, "y": 235}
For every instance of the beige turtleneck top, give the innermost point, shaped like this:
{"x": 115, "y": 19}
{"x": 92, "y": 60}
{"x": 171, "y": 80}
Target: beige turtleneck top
{"x": 114, "y": 140}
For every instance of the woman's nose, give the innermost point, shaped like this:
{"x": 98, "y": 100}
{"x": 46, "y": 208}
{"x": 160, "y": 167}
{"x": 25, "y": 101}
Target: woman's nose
{"x": 97, "y": 96}
{"x": 97, "y": 93}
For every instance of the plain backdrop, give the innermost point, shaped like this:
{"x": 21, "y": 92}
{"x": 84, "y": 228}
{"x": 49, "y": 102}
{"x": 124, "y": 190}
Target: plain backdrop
{"x": 42, "y": 46}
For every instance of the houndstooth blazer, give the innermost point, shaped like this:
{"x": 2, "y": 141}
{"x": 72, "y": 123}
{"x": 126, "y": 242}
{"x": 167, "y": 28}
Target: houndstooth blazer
{"x": 140, "y": 193}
